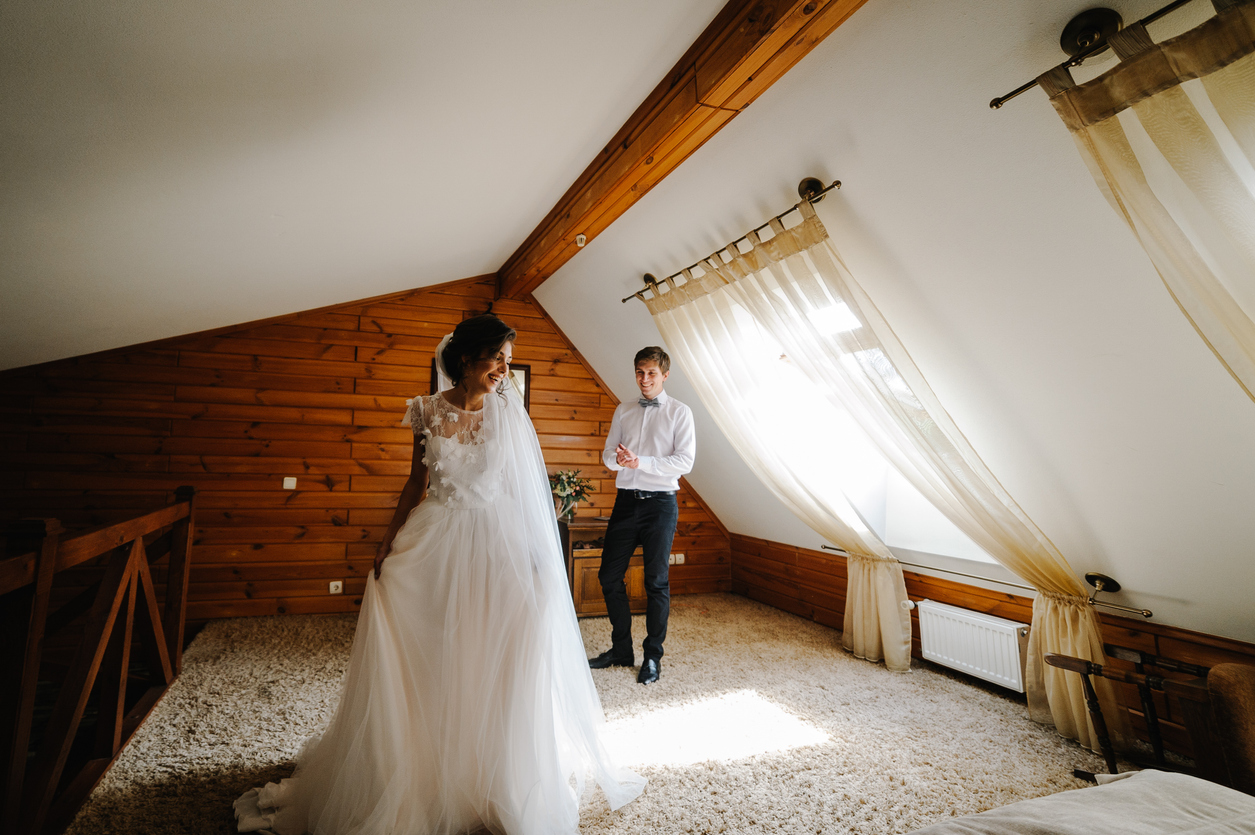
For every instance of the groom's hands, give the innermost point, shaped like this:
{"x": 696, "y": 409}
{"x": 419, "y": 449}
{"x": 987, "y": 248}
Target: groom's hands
{"x": 626, "y": 458}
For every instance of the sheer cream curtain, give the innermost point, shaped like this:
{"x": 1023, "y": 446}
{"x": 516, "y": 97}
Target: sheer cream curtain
{"x": 783, "y": 429}
{"x": 794, "y": 289}
{"x": 1169, "y": 136}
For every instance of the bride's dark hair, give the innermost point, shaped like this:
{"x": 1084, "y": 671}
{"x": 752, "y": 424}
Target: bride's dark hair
{"x": 475, "y": 338}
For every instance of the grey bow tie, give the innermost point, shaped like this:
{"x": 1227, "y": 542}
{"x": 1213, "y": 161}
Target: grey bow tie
{"x": 645, "y": 401}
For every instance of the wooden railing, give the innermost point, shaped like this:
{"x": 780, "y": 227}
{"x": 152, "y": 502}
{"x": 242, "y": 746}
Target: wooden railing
{"x": 38, "y": 794}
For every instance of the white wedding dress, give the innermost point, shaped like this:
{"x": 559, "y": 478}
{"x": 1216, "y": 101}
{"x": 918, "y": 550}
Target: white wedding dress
{"x": 468, "y": 702}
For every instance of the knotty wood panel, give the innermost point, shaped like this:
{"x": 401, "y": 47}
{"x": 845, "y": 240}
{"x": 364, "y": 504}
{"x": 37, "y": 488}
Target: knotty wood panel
{"x": 318, "y": 396}
{"x": 811, "y": 584}
{"x": 747, "y": 47}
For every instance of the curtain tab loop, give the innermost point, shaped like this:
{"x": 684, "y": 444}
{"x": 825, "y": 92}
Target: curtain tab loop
{"x": 1130, "y": 41}
{"x": 1054, "y": 81}
{"x": 807, "y": 209}
{"x": 714, "y": 273}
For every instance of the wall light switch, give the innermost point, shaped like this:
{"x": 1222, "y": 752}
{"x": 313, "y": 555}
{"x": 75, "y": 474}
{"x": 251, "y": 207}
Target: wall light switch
{"x": 335, "y": 587}
{"x": 679, "y": 559}
{"x": 289, "y": 483}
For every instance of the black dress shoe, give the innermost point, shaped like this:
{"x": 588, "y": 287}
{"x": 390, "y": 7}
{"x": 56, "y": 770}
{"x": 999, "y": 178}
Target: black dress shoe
{"x": 610, "y": 658}
{"x": 649, "y": 671}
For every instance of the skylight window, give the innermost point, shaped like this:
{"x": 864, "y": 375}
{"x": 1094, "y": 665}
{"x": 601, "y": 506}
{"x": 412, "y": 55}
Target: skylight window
{"x": 837, "y": 318}
{"x": 824, "y": 445}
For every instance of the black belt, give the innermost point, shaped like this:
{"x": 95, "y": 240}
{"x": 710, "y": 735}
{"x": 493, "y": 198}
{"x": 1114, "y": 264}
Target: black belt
{"x": 648, "y": 494}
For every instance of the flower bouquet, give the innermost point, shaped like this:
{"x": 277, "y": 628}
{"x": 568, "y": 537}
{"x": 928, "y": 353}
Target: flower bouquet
{"x": 568, "y": 491}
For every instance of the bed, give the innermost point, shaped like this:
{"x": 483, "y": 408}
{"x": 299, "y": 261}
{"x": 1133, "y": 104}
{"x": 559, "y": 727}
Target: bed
{"x": 1136, "y": 803}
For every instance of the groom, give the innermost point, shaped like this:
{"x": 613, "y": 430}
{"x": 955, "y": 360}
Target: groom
{"x": 651, "y": 445}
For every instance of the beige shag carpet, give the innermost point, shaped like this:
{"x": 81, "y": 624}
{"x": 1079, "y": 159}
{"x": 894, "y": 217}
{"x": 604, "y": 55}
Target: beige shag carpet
{"x": 759, "y": 724}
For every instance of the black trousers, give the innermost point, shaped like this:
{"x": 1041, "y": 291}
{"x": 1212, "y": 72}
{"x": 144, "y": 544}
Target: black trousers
{"x": 646, "y": 520}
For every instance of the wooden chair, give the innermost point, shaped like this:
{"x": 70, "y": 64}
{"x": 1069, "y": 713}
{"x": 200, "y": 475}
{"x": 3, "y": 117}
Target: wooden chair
{"x": 1217, "y": 707}
{"x": 1192, "y": 693}
{"x": 1140, "y": 661}
{"x": 1232, "y": 689}
{"x": 1086, "y": 669}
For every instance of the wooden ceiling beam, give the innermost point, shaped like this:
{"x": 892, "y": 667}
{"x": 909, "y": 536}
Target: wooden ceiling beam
{"x": 747, "y": 48}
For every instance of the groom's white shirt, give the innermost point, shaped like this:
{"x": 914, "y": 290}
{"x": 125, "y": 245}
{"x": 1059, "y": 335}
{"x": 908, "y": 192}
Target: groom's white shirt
{"x": 662, "y": 438}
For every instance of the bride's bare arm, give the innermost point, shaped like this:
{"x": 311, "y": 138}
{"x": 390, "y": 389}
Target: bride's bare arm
{"x": 411, "y": 495}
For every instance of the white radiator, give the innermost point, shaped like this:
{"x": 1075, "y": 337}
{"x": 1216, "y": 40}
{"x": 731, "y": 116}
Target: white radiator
{"x": 988, "y": 647}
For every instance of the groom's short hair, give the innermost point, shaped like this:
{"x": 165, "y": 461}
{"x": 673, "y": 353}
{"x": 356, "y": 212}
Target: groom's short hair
{"x": 653, "y": 354}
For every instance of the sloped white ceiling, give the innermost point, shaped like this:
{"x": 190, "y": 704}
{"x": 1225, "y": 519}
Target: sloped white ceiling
{"x": 1027, "y": 303}
{"x": 169, "y": 166}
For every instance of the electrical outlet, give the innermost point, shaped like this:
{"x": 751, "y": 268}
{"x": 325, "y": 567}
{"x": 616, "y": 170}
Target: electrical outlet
{"x": 289, "y": 483}
{"x": 679, "y": 559}
{"x": 671, "y": 560}
{"x": 335, "y": 587}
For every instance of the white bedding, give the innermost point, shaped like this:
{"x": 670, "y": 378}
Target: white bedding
{"x": 1144, "y": 803}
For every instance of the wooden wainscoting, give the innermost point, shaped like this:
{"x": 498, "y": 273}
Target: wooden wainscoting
{"x": 811, "y": 584}
{"x": 317, "y": 396}
{"x": 798, "y": 580}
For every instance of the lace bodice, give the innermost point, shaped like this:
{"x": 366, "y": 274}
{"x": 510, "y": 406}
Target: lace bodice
{"x": 456, "y": 455}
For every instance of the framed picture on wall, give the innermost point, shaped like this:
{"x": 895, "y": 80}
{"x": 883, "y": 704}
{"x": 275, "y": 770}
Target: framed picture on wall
{"x": 520, "y": 378}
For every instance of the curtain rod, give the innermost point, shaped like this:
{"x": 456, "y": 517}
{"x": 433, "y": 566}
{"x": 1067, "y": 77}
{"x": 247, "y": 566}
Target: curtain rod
{"x": 827, "y": 547}
{"x": 1079, "y": 58}
{"x": 810, "y": 196}
{"x": 1114, "y": 586}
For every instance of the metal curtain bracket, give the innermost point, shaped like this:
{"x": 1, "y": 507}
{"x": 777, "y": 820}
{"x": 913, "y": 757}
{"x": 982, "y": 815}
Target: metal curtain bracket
{"x": 1101, "y": 582}
{"x": 1084, "y": 37}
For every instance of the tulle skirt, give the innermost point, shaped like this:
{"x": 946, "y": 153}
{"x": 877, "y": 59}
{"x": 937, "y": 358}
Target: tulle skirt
{"x": 467, "y": 704}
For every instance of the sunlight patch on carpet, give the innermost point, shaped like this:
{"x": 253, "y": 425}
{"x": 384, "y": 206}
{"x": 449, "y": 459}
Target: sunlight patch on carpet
{"x": 732, "y": 726}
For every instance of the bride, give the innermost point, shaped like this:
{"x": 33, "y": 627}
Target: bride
{"x": 468, "y": 704}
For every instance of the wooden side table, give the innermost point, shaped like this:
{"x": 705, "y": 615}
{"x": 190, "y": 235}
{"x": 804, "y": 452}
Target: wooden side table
{"x": 581, "y": 548}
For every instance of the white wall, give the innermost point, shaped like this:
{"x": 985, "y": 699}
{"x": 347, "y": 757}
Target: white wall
{"x": 1025, "y": 301}
{"x": 171, "y": 166}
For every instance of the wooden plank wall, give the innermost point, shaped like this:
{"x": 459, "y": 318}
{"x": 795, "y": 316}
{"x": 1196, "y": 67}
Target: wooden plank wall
{"x": 811, "y": 584}
{"x": 318, "y": 396}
